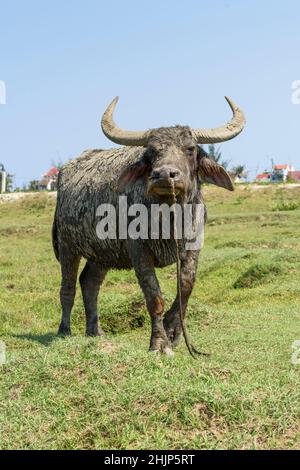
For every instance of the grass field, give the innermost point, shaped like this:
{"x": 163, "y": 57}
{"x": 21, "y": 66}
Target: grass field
{"x": 81, "y": 393}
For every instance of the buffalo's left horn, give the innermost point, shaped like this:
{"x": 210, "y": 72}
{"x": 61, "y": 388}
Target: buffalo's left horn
{"x": 227, "y": 132}
{"x": 117, "y": 135}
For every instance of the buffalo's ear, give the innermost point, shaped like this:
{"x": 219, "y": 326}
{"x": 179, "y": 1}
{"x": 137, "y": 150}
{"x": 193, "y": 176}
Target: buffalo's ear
{"x": 212, "y": 172}
{"x": 132, "y": 173}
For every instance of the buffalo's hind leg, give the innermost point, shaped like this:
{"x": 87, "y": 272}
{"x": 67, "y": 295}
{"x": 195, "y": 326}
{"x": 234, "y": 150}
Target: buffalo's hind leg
{"x": 91, "y": 279}
{"x": 69, "y": 269}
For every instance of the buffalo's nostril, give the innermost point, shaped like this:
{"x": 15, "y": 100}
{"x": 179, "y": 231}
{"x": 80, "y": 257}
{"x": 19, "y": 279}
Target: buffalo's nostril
{"x": 173, "y": 174}
{"x": 155, "y": 175}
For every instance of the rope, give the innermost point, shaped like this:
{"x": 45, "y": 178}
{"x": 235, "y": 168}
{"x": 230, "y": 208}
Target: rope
{"x": 192, "y": 350}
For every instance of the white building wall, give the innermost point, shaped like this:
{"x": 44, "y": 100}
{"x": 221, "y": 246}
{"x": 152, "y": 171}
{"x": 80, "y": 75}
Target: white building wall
{"x": 2, "y": 182}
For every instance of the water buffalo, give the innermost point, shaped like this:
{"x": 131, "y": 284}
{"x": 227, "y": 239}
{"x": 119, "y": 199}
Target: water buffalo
{"x": 149, "y": 168}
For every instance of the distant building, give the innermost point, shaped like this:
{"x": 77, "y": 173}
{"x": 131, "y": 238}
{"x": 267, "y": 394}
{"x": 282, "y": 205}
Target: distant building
{"x": 239, "y": 179}
{"x": 264, "y": 178}
{"x": 2, "y": 182}
{"x": 279, "y": 173}
{"x": 49, "y": 180}
{"x": 294, "y": 176}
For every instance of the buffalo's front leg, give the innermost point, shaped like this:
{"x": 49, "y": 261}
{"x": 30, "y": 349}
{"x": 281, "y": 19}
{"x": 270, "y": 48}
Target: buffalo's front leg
{"x": 145, "y": 272}
{"x": 188, "y": 271}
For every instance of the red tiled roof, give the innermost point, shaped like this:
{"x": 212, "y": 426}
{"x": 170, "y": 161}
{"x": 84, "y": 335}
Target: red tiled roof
{"x": 52, "y": 172}
{"x": 281, "y": 167}
{"x": 263, "y": 176}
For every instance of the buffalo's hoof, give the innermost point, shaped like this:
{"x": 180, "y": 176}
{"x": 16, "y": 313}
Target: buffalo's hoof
{"x": 94, "y": 331}
{"x": 161, "y": 345}
{"x": 173, "y": 333}
{"x": 167, "y": 351}
{"x": 64, "y": 331}
{"x": 93, "y": 335}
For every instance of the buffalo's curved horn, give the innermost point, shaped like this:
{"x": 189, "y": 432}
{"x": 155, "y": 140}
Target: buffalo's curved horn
{"x": 227, "y": 132}
{"x": 117, "y": 135}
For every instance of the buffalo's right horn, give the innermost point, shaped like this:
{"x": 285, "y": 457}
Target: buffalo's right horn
{"x": 117, "y": 135}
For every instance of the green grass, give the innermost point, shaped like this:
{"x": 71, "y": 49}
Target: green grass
{"x": 81, "y": 393}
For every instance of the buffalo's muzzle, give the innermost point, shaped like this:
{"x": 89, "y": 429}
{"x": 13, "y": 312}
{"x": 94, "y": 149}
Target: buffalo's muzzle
{"x": 164, "y": 181}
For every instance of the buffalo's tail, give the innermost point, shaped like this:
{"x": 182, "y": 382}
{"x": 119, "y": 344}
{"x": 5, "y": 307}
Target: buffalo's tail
{"x": 55, "y": 239}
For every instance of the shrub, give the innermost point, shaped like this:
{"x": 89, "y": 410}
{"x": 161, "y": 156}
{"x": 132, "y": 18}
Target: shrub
{"x": 257, "y": 275}
{"x": 286, "y": 206}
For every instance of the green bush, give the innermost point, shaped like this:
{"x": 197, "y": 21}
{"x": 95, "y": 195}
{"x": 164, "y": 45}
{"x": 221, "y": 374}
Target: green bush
{"x": 286, "y": 206}
{"x": 257, "y": 275}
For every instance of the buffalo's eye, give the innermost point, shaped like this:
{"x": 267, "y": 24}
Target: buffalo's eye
{"x": 190, "y": 149}
{"x": 150, "y": 154}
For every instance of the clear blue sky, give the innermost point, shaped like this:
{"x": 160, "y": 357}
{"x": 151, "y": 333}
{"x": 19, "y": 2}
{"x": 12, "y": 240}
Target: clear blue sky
{"x": 170, "y": 61}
